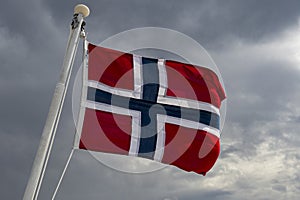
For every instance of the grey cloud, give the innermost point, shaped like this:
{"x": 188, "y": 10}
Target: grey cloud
{"x": 217, "y": 20}
{"x": 216, "y": 194}
{"x": 280, "y": 188}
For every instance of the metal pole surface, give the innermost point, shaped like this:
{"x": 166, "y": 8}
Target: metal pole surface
{"x": 44, "y": 149}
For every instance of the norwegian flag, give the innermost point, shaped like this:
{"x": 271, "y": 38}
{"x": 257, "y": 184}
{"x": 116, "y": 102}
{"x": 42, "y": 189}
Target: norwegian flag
{"x": 157, "y": 109}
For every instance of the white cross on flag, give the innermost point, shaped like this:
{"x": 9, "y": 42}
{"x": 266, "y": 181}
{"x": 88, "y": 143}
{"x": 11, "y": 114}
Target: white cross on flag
{"x": 157, "y": 109}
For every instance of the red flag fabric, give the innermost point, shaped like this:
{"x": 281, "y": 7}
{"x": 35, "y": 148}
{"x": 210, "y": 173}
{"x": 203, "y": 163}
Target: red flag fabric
{"x": 157, "y": 109}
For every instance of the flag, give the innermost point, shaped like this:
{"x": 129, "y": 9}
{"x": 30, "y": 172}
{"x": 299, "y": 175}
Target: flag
{"x": 157, "y": 109}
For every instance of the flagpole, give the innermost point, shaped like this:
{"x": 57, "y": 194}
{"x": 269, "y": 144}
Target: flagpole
{"x": 41, "y": 159}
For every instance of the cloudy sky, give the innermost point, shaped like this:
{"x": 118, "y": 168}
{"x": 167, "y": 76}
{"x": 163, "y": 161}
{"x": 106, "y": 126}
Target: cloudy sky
{"x": 256, "y": 45}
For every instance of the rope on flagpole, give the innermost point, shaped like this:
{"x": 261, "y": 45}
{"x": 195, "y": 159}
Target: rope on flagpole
{"x": 82, "y": 36}
{"x": 62, "y": 174}
{"x": 49, "y": 131}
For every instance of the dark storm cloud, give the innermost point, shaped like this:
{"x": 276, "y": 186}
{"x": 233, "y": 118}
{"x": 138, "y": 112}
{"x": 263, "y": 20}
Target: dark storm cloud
{"x": 217, "y": 20}
{"x": 262, "y": 116}
{"x": 263, "y": 94}
{"x": 31, "y": 57}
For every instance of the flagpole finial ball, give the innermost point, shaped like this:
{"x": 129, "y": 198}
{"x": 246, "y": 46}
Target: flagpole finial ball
{"x": 82, "y": 9}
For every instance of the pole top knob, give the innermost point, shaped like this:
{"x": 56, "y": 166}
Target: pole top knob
{"x": 82, "y": 9}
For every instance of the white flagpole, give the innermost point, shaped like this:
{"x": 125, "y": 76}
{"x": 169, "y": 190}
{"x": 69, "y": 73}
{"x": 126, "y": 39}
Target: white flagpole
{"x": 42, "y": 156}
